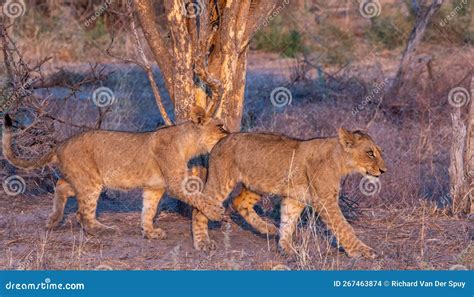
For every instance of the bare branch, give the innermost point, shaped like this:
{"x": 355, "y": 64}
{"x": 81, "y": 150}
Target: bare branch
{"x": 156, "y": 42}
{"x": 146, "y": 67}
{"x": 116, "y": 56}
{"x": 415, "y": 38}
{"x": 259, "y": 11}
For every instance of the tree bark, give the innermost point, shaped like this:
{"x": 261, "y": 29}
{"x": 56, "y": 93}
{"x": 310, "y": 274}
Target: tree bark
{"x": 461, "y": 169}
{"x": 206, "y": 62}
{"x": 469, "y": 157}
{"x": 456, "y": 168}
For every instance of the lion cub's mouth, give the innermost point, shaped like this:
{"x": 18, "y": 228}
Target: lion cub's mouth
{"x": 373, "y": 175}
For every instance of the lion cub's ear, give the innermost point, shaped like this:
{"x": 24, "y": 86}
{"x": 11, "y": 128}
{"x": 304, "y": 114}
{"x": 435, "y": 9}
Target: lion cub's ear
{"x": 346, "y": 138}
{"x": 198, "y": 115}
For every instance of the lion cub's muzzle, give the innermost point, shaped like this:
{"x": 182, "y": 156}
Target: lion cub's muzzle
{"x": 376, "y": 172}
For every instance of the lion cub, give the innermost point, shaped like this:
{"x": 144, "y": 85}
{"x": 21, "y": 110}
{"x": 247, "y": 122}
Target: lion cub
{"x": 155, "y": 161}
{"x": 302, "y": 172}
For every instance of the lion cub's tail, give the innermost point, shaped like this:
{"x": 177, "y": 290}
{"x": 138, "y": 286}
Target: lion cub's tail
{"x": 10, "y": 155}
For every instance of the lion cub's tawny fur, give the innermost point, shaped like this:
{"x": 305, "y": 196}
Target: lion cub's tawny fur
{"x": 155, "y": 161}
{"x": 302, "y": 172}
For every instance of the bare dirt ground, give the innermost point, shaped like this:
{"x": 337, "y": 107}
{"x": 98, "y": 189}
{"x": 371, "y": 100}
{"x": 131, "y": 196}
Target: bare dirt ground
{"x": 406, "y": 238}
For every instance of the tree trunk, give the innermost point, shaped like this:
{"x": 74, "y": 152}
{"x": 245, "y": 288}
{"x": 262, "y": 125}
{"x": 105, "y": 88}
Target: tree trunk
{"x": 469, "y": 156}
{"x": 461, "y": 169}
{"x": 456, "y": 168}
{"x": 206, "y": 61}
{"x": 409, "y": 53}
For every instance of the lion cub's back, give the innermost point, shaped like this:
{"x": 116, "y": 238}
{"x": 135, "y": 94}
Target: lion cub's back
{"x": 253, "y": 152}
{"x": 104, "y": 148}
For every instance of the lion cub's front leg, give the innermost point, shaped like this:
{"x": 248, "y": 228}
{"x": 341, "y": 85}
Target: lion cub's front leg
{"x": 151, "y": 200}
{"x": 330, "y": 212}
{"x": 201, "y": 239}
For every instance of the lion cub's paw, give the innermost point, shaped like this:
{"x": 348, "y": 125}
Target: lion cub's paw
{"x": 155, "y": 233}
{"x": 269, "y": 229}
{"x": 205, "y": 245}
{"x": 362, "y": 251}
{"x": 214, "y": 210}
{"x": 286, "y": 248}
{"x": 52, "y": 222}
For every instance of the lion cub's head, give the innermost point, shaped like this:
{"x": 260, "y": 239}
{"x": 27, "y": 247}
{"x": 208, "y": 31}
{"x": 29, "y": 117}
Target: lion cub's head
{"x": 364, "y": 155}
{"x": 211, "y": 130}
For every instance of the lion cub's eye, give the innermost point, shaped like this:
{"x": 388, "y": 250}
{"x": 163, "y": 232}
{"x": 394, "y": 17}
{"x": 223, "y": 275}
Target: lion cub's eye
{"x": 370, "y": 154}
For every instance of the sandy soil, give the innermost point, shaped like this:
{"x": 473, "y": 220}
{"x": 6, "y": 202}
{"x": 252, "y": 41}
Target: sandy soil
{"x": 435, "y": 242}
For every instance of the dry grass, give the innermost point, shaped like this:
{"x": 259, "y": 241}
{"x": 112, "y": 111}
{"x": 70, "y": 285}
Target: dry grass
{"x": 407, "y": 221}
{"x": 403, "y": 240}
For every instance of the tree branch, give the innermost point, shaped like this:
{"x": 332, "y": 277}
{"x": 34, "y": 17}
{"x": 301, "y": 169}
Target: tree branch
{"x": 260, "y": 10}
{"x": 156, "y": 42}
{"x": 146, "y": 67}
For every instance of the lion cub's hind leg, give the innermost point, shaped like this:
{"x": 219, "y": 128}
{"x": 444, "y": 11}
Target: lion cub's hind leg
{"x": 290, "y": 213}
{"x": 151, "y": 200}
{"x": 87, "y": 198}
{"x": 61, "y": 193}
{"x": 244, "y": 205}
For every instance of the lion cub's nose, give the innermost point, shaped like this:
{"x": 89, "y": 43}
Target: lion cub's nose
{"x": 382, "y": 170}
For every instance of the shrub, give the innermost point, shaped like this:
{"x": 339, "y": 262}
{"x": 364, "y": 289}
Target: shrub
{"x": 278, "y": 38}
